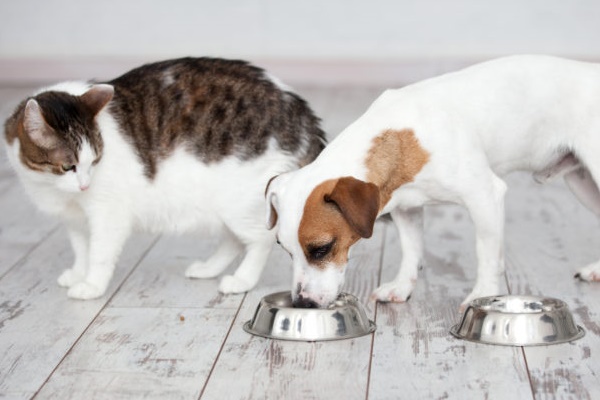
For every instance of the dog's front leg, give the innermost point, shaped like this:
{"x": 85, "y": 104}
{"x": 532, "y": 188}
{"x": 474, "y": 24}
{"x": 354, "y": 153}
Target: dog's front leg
{"x": 584, "y": 186}
{"x": 410, "y": 230}
{"x": 486, "y": 207}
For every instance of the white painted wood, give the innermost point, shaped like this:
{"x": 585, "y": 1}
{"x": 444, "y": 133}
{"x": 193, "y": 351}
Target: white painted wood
{"x": 22, "y": 227}
{"x": 414, "y": 355}
{"x": 142, "y": 353}
{"x": 136, "y": 346}
{"x": 159, "y": 281}
{"x": 549, "y": 236}
{"x": 158, "y": 338}
{"x": 265, "y": 368}
{"x": 38, "y": 323}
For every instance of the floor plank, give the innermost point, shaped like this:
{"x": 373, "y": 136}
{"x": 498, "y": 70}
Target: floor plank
{"x": 547, "y": 242}
{"x": 265, "y": 368}
{"x": 164, "y": 336}
{"x": 38, "y": 323}
{"x": 22, "y": 227}
{"x": 159, "y": 281}
{"x": 149, "y": 353}
{"x": 413, "y": 347}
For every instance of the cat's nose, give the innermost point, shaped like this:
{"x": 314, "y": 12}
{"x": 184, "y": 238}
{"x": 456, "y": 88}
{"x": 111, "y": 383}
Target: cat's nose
{"x": 84, "y": 187}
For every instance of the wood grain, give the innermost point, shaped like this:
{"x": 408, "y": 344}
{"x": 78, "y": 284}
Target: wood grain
{"x": 159, "y": 281}
{"x": 149, "y": 353}
{"x": 549, "y": 236}
{"x": 266, "y": 368}
{"x": 414, "y": 355}
{"x": 164, "y": 336}
{"x": 38, "y": 323}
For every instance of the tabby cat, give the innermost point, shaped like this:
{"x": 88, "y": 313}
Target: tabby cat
{"x": 178, "y": 146}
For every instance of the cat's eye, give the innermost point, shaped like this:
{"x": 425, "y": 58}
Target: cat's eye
{"x": 318, "y": 252}
{"x": 69, "y": 167}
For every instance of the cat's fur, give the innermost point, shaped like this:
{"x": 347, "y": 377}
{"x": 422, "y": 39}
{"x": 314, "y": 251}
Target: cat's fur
{"x": 176, "y": 146}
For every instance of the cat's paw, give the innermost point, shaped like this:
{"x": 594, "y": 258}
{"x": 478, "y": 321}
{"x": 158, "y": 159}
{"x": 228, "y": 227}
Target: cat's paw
{"x": 202, "y": 270}
{"x": 394, "y": 292}
{"x": 69, "y": 277}
{"x": 231, "y": 284}
{"x": 589, "y": 273}
{"x": 85, "y": 291}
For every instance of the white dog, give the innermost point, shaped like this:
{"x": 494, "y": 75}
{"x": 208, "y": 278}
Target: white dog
{"x": 446, "y": 139}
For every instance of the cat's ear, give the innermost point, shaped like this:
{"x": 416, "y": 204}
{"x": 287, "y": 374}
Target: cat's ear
{"x": 97, "y": 97}
{"x": 36, "y": 127}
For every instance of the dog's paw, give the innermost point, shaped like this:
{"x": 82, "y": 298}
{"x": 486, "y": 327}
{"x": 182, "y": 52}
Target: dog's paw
{"x": 69, "y": 277}
{"x": 394, "y": 292}
{"x": 202, "y": 270}
{"x": 85, "y": 291}
{"x": 478, "y": 292}
{"x": 589, "y": 273}
{"x": 231, "y": 284}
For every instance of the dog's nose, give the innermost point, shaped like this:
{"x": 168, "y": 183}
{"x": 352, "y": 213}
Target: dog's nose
{"x": 304, "y": 302}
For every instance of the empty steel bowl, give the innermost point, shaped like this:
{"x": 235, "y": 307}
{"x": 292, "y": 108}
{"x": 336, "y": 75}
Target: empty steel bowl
{"x": 517, "y": 321}
{"x": 276, "y": 318}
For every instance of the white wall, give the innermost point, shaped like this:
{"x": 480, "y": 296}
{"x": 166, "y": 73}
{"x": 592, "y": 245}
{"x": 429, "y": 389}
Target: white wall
{"x": 327, "y": 31}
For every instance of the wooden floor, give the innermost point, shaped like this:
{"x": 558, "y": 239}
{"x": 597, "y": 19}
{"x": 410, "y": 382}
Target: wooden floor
{"x": 158, "y": 335}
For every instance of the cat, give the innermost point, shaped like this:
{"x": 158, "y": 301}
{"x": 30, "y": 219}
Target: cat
{"x": 177, "y": 146}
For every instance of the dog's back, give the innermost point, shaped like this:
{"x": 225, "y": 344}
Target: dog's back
{"x": 523, "y": 112}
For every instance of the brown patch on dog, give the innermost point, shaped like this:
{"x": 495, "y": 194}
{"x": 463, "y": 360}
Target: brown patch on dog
{"x": 395, "y": 158}
{"x": 322, "y": 223}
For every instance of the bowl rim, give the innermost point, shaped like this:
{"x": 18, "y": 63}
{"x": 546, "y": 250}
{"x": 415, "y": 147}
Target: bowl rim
{"x": 455, "y": 332}
{"x": 248, "y": 328}
{"x": 475, "y": 306}
{"x": 352, "y": 302}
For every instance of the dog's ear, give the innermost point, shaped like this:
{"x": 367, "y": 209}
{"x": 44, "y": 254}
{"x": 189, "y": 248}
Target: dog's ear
{"x": 271, "y": 198}
{"x": 358, "y": 202}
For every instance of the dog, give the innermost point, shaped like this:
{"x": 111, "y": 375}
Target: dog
{"x": 449, "y": 139}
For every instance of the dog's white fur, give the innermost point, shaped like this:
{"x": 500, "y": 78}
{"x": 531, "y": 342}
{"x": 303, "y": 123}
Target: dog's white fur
{"x": 529, "y": 113}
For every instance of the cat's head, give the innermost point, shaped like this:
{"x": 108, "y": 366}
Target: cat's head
{"x": 58, "y": 138}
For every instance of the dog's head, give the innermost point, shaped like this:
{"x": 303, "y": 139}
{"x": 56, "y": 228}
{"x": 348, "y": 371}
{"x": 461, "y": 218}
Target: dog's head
{"x": 317, "y": 225}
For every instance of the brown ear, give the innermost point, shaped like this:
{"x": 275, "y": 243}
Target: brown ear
{"x": 36, "y": 127}
{"x": 97, "y": 97}
{"x": 359, "y": 203}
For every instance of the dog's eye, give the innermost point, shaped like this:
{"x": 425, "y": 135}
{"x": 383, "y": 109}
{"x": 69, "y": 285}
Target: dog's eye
{"x": 319, "y": 252}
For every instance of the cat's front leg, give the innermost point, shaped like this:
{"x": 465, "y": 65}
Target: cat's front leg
{"x": 229, "y": 248}
{"x": 79, "y": 236}
{"x": 248, "y": 273}
{"x": 108, "y": 233}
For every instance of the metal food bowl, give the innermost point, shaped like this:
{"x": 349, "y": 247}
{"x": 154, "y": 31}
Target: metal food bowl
{"x": 517, "y": 321}
{"x": 276, "y": 318}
